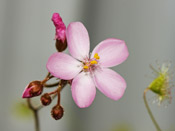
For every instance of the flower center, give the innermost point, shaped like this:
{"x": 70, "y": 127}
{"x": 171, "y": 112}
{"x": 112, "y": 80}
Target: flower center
{"x": 91, "y": 63}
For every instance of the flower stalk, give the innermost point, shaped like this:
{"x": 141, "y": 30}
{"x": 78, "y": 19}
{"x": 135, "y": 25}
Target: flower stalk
{"x": 51, "y": 85}
{"x": 149, "y": 110}
{"x": 35, "y": 113}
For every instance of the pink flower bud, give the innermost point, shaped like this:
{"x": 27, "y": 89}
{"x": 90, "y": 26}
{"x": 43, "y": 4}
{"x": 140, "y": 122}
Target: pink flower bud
{"x": 60, "y": 27}
{"x": 35, "y": 88}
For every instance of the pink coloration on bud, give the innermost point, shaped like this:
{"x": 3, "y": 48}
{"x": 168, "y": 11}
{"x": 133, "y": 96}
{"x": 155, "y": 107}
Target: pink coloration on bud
{"x": 60, "y": 27}
{"x": 35, "y": 88}
{"x": 26, "y": 93}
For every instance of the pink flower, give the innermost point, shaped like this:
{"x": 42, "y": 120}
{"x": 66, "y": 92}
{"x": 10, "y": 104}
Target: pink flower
{"x": 91, "y": 71}
{"x": 60, "y": 27}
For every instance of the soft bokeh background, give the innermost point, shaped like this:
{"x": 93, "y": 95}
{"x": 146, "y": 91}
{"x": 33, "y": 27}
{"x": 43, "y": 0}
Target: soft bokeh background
{"x": 26, "y": 42}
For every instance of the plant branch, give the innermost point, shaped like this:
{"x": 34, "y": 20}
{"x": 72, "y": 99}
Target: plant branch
{"x": 35, "y": 113}
{"x": 149, "y": 111}
{"x": 51, "y": 85}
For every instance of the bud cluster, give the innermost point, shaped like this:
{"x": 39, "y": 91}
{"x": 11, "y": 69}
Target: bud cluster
{"x": 35, "y": 88}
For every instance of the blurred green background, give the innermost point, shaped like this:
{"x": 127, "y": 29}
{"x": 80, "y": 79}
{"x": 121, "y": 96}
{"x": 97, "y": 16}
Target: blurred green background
{"x": 27, "y": 41}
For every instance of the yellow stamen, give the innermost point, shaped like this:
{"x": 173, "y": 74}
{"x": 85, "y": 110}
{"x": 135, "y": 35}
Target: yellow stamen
{"x": 96, "y": 56}
{"x": 93, "y": 62}
{"x": 85, "y": 67}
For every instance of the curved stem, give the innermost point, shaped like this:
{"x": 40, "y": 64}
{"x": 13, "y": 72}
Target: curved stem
{"x": 62, "y": 82}
{"x": 48, "y": 74}
{"x": 58, "y": 93}
{"x": 48, "y": 77}
{"x": 53, "y": 92}
{"x": 149, "y": 111}
{"x": 35, "y": 112}
{"x": 37, "y": 125}
{"x": 51, "y": 85}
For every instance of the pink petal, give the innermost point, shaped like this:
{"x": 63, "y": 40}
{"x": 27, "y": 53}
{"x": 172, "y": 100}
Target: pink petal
{"x": 78, "y": 40}
{"x": 111, "y": 52}
{"x": 110, "y": 83}
{"x": 83, "y": 90}
{"x": 63, "y": 66}
{"x": 60, "y": 27}
{"x": 26, "y": 93}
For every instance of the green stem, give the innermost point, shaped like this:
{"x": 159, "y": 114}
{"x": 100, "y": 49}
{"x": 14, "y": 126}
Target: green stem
{"x": 149, "y": 111}
{"x": 35, "y": 113}
{"x": 37, "y": 125}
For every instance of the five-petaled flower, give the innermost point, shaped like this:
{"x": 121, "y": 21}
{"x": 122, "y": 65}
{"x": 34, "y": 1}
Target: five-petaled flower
{"x": 89, "y": 71}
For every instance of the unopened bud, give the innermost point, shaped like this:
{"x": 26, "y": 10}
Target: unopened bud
{"x": 60, "y": 27}
{"x": 35, "y": 88}
{"x": 57, "y": 112}
{"x": 60, "y": 46}
{"x": 46, "y": 99}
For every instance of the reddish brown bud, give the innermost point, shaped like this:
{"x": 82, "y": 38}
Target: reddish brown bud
{"x": 60, "y": 46}
{"x": 46, "y": 99}
{"x": 57, "y": 112}
{"x": 35, "y": 88}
